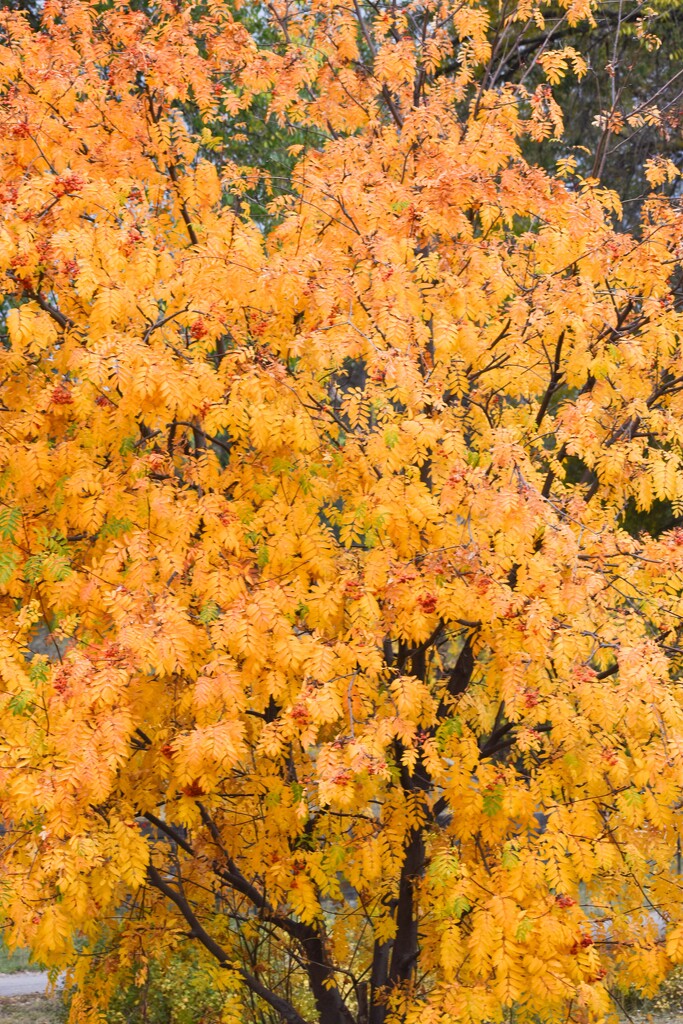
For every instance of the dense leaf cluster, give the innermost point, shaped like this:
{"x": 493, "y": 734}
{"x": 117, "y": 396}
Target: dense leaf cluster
{"x": 341, "y": 578}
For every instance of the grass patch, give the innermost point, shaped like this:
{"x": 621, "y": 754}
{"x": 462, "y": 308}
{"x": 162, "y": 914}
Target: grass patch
{"x": 12, "y": 963}
{"x": 30, "y": 1010}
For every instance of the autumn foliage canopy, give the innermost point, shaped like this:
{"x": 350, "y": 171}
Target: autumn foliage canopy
{"x": 336, "y": 637}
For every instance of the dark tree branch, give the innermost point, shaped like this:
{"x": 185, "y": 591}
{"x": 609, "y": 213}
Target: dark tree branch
{"x": 201, "y": 437}
{"x": 59, "y": 318}
{"x": 378, "y": 978}
{"x": 280, "y": 1005}
{"x": 555, "y": 378}
{"x": 173, "y": 175}
{"x": 169, "y": 831}
{"x": 329, "y": 1002}
{"x": 406, "y": 947}
{"x": 459, "y": 678}
{"x": 161, "y": 322}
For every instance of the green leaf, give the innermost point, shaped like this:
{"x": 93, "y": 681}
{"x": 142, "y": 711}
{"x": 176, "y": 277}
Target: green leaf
{"x": 443, "y": 868}
{"x": 632, "y": 797}
{"x": 9, "y": 520}
{"x": 18, "y": 702}
{"x": 33, "y": 568}
{"x": 451, "y": 727}
{"x": 335, "y": 857}
{"x": 493, "y": 801}
{"x": 209, "y": 613}
{"x": 115, "y": 527}
{"x": 57, "y": 544}
{"x": 391, "y": 437}
{"x": 457, "y": 908}
{"x": 264, "y": 490}
{"x": 127, "y": 445}
{"x": 39, "y": 669}
{"x": 8, "y": 563}
{"x": 510, "y": 855}
{"x": 57, "y": 568}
